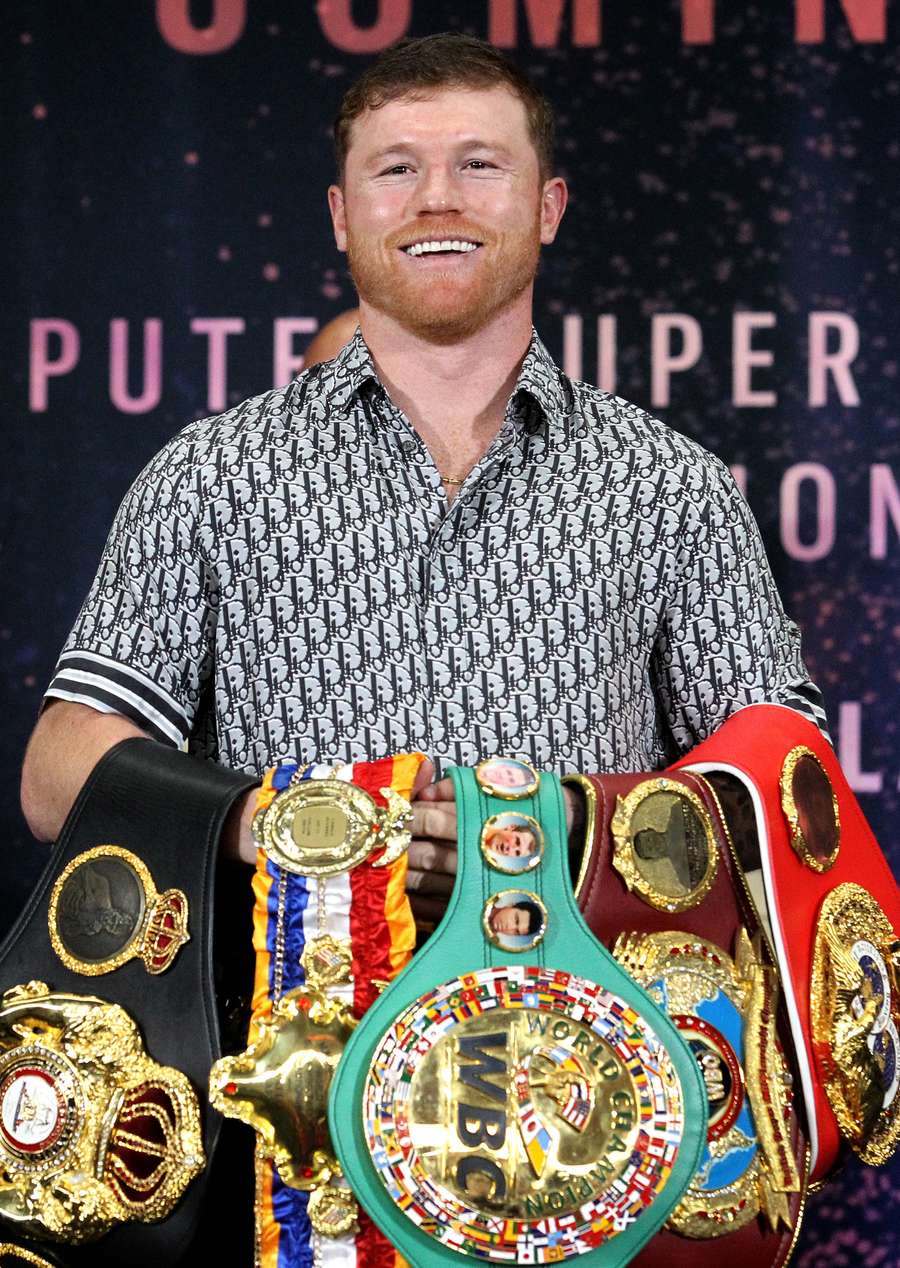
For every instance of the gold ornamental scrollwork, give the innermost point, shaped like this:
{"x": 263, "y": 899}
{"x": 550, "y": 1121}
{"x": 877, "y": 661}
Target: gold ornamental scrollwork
{"x": 725, "y": 1008}
{"x": 93, "y": 1131}
{"x": 279, "y": 1086}
{"x": 665, "y": 845}
{"x": 855, "y": 1007}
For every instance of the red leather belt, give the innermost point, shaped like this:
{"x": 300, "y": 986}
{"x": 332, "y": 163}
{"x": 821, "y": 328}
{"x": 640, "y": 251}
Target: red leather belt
{"x": 834, "y": 908}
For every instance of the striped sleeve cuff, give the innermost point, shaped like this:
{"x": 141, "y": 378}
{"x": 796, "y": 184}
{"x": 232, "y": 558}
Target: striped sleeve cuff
{"x": 806, "y": 698}
{"x": 111, "y": 687}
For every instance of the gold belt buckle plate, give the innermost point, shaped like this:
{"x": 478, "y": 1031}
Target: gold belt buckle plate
{"x": 521, "y": 1111}
{"x": 93, "y": 1132}
{"x": 855, "y": 1007}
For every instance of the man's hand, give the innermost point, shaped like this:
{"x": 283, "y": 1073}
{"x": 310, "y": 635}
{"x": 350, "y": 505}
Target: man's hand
{"x": 431, "y": 861}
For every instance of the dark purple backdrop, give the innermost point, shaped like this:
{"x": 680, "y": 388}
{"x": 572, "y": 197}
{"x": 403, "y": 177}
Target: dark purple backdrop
{"x": 733, "y": 170}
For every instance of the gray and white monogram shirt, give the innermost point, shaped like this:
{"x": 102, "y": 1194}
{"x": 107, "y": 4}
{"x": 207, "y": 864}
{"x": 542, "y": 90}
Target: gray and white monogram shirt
{"x": 287, "y": 580}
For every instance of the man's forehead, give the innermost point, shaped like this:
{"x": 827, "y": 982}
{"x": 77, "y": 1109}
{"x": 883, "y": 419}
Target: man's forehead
{"x": 493, "y": 114}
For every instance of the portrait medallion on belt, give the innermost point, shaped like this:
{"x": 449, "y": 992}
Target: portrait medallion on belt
{"x": 522, "y": 1114}
{"x": 855, "y": 1007}
{"x": 811, "y": 808}
{"x": 665, "y": 846}
{"x": 105, "y": 910}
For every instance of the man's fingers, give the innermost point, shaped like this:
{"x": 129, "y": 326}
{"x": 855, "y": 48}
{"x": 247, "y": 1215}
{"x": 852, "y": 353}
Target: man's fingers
{"x": 428, "y": 856}
{"x": 441, "y": 791}
{"x": 424, "y": 776}
{"x": 434, "y": 819}
{"x": 432, "y": 884}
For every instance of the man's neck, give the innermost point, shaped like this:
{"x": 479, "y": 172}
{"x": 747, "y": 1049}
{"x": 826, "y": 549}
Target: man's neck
{"x": 454, "y": 395}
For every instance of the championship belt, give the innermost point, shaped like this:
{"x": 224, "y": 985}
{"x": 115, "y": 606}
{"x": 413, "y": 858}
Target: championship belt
{"x": 108, "y": 1019}
{"x": 332, "y": 926}
{"x": 660, "y": 885}
{"x": 514, "y": 1096}
{"x": 834, "y": 909}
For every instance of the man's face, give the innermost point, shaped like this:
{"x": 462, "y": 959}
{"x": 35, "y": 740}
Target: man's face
{"x": 512, "y": 843}
{"x": 455, "y": 177}
{"x": 509, "y": 920}
{"x": 505, "y": 775}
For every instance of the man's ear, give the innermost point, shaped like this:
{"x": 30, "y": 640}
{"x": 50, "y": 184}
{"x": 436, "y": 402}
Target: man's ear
{"x": 338, "y": 218}
{"x": 554, "y": 197}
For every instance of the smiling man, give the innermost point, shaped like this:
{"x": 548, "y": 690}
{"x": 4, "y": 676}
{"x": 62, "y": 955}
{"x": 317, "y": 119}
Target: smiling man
{"x": 436, "y": 540}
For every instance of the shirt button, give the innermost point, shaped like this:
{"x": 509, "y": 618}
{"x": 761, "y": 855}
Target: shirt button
{"x": 410, "y": 448}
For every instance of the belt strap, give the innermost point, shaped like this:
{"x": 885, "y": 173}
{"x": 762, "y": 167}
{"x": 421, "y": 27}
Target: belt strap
{"x": 167, "y": 811}
{"x": 488, "y": 967}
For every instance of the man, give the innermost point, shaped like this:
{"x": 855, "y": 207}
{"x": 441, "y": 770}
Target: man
{"x": 515, "y": 919}
{"x": 436, "y": 540}
{"x": 511, "y": 843}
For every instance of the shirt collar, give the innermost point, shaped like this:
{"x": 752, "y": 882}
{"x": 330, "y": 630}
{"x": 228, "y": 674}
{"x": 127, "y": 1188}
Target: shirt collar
{"x": 539, "y": 377}
{"x": 353, "y": 366}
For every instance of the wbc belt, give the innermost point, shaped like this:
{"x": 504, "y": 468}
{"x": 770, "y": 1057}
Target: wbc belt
{"x": 834, "y": 909}
{"x": 660, "y": 886}
{"x": 108, "y": 1019}
{"x": 513, "y": 1096}
{"x": 332, "y": 925}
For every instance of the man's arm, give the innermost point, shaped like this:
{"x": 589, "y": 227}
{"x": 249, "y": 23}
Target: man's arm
{"x": 64, "y": 748}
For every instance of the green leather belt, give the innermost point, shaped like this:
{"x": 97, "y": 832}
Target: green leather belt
{"x": 514, "y": 1095}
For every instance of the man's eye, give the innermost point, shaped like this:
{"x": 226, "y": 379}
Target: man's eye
{"x": 479, "y": 164}
{"x": 398, "y": 169}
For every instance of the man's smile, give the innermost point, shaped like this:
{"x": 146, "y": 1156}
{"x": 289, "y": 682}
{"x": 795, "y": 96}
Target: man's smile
{"x": 441, "y": 246}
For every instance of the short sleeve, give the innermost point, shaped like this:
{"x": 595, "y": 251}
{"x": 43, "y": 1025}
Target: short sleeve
{"x": 725, "y": 640}
{"x": 141, "y": 645}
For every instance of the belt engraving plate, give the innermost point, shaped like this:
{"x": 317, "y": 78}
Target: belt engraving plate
{"x": 522, "y": 1114}
{"x": 323, "y": 827}
{"x": 811, "y": 808}
{"x": 664, "y": 844}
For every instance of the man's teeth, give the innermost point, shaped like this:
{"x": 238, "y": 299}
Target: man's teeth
{"x": 423, "y": 248}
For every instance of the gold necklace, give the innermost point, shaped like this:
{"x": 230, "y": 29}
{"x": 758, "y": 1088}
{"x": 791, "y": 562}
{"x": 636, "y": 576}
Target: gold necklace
{"x": 452, "y": 480}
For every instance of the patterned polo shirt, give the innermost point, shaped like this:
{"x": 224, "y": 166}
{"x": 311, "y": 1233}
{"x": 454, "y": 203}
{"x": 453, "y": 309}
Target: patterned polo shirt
{"x": 287, "y": 580}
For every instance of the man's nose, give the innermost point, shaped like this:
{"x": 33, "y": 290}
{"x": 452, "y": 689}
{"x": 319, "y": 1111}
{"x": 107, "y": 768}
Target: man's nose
{"x": 438, "y": 190}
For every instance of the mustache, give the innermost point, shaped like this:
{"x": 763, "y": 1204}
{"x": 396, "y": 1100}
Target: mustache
{"x": 438, "y": 229}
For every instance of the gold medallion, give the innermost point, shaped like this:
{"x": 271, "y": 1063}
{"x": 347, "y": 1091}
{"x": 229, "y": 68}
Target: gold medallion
{"x": 279, "y": 1086}
{"x": 512, "y": 842}
{"x": 507, "y": 777}
{"x": 725, "y": 1009}
{"x": 665, "y": 844}
{"x": 855, "y": 1007}
{"x": 105, "y": 910}
{"x": 512, "y": 1110}
{"x": 811, "y": 809}
{"x": 327, "y": 961}
{"x": 333, "y": 1211}
{"x": 93, "y": 1132}
{"x": 322, "y": 827}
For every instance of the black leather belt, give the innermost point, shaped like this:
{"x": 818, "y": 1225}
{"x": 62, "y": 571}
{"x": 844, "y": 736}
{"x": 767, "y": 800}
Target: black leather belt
{"x": 123, "y": 915}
